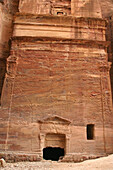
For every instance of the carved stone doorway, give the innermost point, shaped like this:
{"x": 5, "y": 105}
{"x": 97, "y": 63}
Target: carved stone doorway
{"x": 54, "y": 146}
{"x": 55, "y": 133}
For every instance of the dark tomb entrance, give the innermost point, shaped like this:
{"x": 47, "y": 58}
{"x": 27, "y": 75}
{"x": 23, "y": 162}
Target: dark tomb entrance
{"x": 54, "y": 146}
{"x": 53, "y": 153}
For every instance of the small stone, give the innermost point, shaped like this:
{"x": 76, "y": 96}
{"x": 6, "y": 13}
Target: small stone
{"x": 2, "y": 162}
{"x": 15, "y": 165}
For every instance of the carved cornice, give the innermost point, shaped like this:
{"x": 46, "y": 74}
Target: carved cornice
{"x": 71, "y": 17}
{"x": 61, "y": 41}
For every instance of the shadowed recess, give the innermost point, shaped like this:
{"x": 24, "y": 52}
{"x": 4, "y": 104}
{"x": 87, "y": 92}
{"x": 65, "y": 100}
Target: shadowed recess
{"x": 53, "y": 154}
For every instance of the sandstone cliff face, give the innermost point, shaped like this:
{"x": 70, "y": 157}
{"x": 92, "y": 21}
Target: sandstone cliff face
{"x": 107, "y": 13}
{"x": 45, "y": 76}
{"x": 106, "y": 7}
{"x": 7, "y": 9}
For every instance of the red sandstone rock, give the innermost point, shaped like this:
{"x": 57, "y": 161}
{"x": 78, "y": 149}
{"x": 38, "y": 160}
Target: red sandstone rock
{"x": 57, "y": 82}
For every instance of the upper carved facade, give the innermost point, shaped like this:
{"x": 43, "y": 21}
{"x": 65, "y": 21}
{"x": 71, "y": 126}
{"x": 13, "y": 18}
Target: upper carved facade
{"x": 78, "y": 8}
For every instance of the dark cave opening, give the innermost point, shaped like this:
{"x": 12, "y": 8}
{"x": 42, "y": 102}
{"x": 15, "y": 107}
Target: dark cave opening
{"x": 53, "y": 153}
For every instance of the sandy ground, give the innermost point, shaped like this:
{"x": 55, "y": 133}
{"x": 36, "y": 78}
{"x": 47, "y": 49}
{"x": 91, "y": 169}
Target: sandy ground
{"x": 105, "y": 163}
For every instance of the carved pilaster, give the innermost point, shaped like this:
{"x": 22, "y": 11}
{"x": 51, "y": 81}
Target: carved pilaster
{"x": 11, "y": 66}
{"x": 68, "y": 136}
{"x": 8, "y": 86}
{"x": 42, "y": 143}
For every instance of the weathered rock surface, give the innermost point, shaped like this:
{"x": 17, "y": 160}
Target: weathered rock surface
{"x": 57, "y": 80}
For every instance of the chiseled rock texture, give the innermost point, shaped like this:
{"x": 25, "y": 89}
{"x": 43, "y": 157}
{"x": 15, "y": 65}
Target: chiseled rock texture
{"x": 57, "y": 79}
